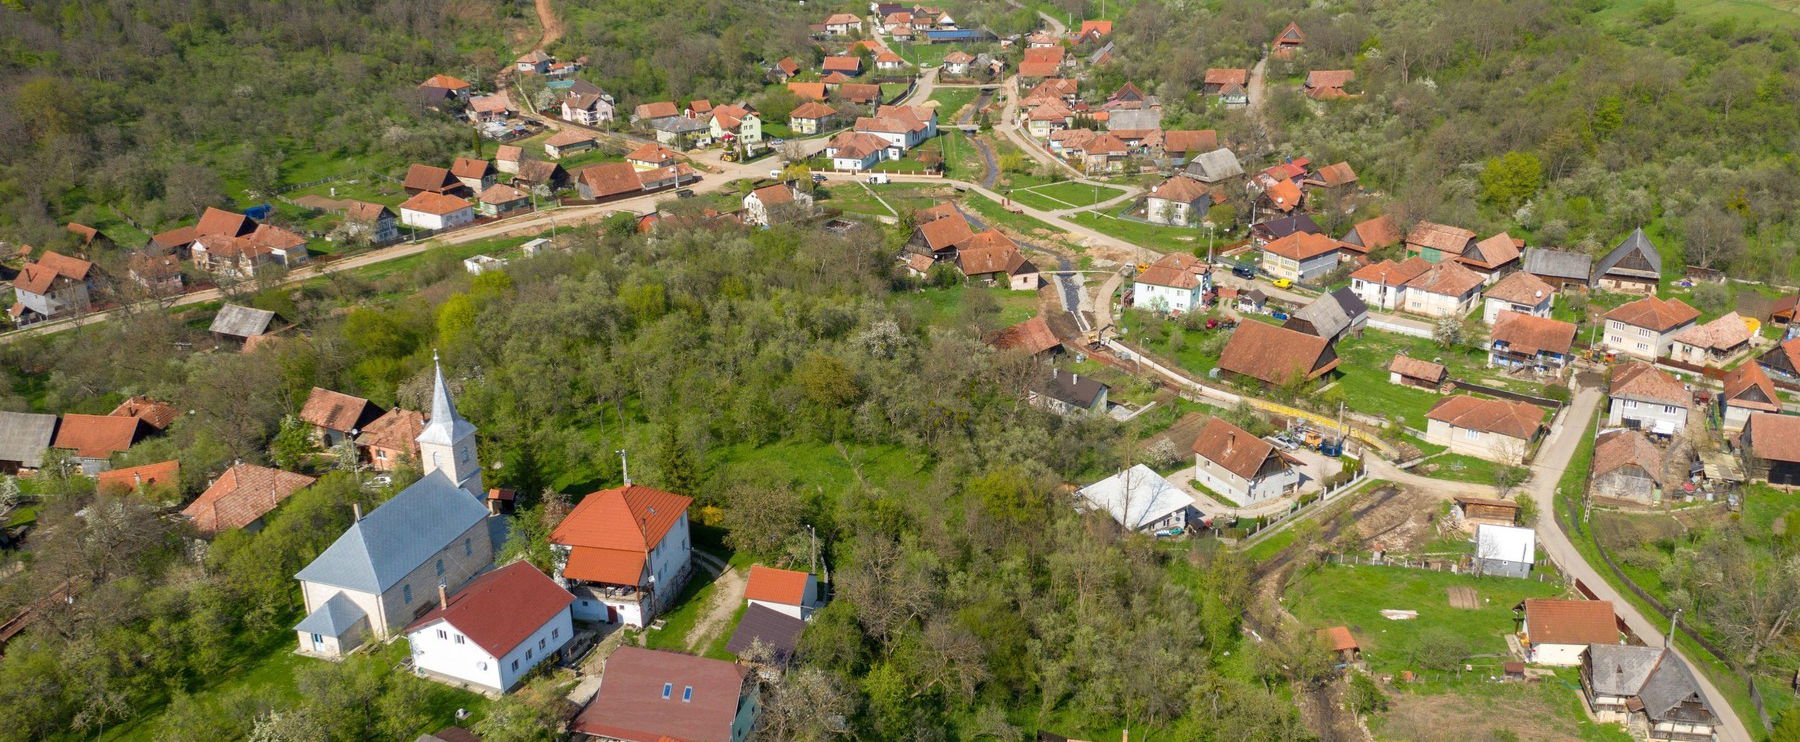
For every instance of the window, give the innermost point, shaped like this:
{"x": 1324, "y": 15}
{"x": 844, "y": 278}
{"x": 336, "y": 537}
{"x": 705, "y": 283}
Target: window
{"x": 1644, "y": 332}
{"x": 541, "y": 643}
{"x": 687, "y": 694}
{"x": 406, "y": 593}
{"x": 1630, "y": 404}
{"x": 317, "y": 639}
{"x": 460, "y": 639}
{"x": 1643, "y": 346}
{"x": 468, "y": 547}
{"x": 668, "y": 688}
{"x": 515, "y": 664}
{"x": 527, "y": 654}
{"x": 440, "y": 567}
{"x": 1616, "y": 325}
{"x": 442, "y": 634}
{"x": 1669, "y": 409}
{"x": 1471, "y": 433}
{"x": 555, "y": 633}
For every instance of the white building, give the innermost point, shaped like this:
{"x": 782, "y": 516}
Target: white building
{"x": 1518, "y": 292}
{"x": 1645, "y": 328}
{"x": 1383, "y": 285}
{"x": 1232, "y": 462}
{"x": 429, "y": 210}
{"x": 1504, "y": 551}
{"x": 624, "y": 553}
{"x": 51, "y": 286}
{"x": 1491, "y": 429}
{"x": 785, "y": 591}
{"x": 494, "y": 630}
{"x": 1177, "y": 283}
{"x": 1180, "y": 201}
{"x": 1444, "y": 290}
{"x": 856, "y": 151}
{"x": 1139, "y": 499}
{"x": 1556, "y": 632}
{"x": 775, "y": 203}
{"x": 1646, "y": 398}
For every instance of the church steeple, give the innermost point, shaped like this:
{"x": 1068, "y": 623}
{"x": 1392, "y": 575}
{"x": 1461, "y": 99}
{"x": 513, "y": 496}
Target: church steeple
{"x": 448, "y": 441}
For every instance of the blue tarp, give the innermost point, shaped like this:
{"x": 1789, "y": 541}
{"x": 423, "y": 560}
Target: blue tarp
{"x": 957, "y": 34}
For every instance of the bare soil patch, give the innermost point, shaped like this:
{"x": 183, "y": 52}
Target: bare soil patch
{"x": 1453, "y": 717}
{"x": 1463, "y": 597}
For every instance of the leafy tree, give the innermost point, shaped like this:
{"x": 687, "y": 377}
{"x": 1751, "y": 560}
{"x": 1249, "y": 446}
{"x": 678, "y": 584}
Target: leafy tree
{"x": 1511, "y": 179}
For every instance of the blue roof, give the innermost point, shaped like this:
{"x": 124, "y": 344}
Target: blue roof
{"x": 957, "y": 34}
{"x": 332, "y": 618}
{"x": 377, "y": 551}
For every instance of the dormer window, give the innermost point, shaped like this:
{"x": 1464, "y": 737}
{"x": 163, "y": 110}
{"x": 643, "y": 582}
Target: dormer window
{"x": 668, "y": 688}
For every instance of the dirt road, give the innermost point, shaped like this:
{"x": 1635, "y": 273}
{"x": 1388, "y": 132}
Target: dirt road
{"x": 552, "y": 25}
{"x": 728, "y": 594}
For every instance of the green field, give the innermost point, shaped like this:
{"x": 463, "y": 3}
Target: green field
{"x": 1073, "y": 194}
{"x": 1154, "y": 236}
{"x": 952, "y": 100}
{"x": 1749, "y": 12}
{"x": 944, "y": 306}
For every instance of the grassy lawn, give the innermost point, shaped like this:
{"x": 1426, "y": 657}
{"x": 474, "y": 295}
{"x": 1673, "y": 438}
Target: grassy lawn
{"x": 1196, "y": 351}
{"x": 1367, "y": 390}
{"x": 1154, "y": 236}
{"x": 944, "y": 306}
{"x": 991, "y": 213}
{"x": 1457, "y": 467}
{"x": 1758, "y": 13}
{"x": 695, "y": 597}
{"x": 820, "y": 470}
{"x": 951, "y": 100}
{"x": 1077, "y": 194}
{"x": 961, "y": 159}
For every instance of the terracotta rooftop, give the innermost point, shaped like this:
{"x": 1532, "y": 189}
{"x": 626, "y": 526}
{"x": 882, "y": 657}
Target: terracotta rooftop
{"x": 1234, "y": 448}
{"x": 1746, "y": 386}
{"x": 1512, "y": 419}
{"x": 1552, "y": 621}
{"x": 1390, "y": 273}
{"x": 1531, "y": 334}
{"x": 1032, "y": 336}
{"x": 334, "y": 410}
{"x": 1773, "y": 436}
{"x": 1417, "y": 369}
{"x": 241, "y": 496}
{"x": 96, "y": 436}
{"x": 502, "y": 608}
{"x": 771, "y": 585}
{"x": 1520, "y": 288}
{"x": 1378, "y": 232}
{"x": 1448, "y": 279}
{"x": 1660, "y": 315}
{"x": 1441, "y": 237}
{"x": 1276, "y": 355}
{"x": 129, "y": 479}
{"x": 1720, "y": 335}
{"x": 154, "y": 414}
{"x": 1616, "y": 449}
{"x": 1643, "y": 382}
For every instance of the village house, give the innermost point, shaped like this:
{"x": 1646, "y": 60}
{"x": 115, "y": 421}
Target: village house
{"x": 1276, "y": 356}
{"x": 1443, "y": 290}
{"x": 1633, "y": 267}
{"x": 1331, "y": 316}
{"x": 775, "y": 204}
{"x": 1215, "y": 166}
{"x": 1041, "y": 61}
{"x": 1558, "y": 632}
{"x": 161, "y": 479}
{"x": 813, "y": 91}
{"x": 374, "y": 222}
{"x": 241, "y": 325}
{"x": 1232, "y": 462}
{"x": 1335, "y": 175}
{"x": 568, "y": 142}
{"x": 1177, "y": 283}
{"x": 785, "y": 591}
{"x": 1302, "y": 256}
{"x": 735, "y": 121}
{"x": 1287, "y": 42}
{"x": 682, "y": 132}
{"x": 1328, "y": 84}
{"x": 435, "y": 211}
{"x": 242, "y": 257}
{"x": 862, "y": 94}
{"x": 159, "y": 274}
{"x": 1770, "y": 444}
{"x": 1561, "y": 269}
{"x": 854, "y": 151}
{"x": 850, "y": 65}
{"x": 1031, "y": 337}
{"x": 765, "y": 637}
{"x": 541, "y": 177}
{"x": 941, "y": 231}
{"x": 391, "y": 441}
{"x": 492, "y": 632}
{"x": 1715, "y": 343}
{"x": 1179, "y": 144}
{"x": 1782, "y": 362}
{"x": 1069, "y": 394}
{"x": 1627, "y": 466}
{"x": 889, "y": 62}
{"x": 624, "y": 553}
{"x": 92, "y": 440}
{"x": 653, "y": 695}
{"x": 1437, "y": 243}
{"x": 336, "y": 417}
{"x": 1781, "y": 311}
{"x": 1179, "y": 201}
{"x": 589, "y": 109}
{"x": 1531, "y": 342}
{"x": 453, "y": 86}
{"x": 1748, "y": 390}
{"x": 24, "y": 437}
{"x": 419, "y": 179}
{"x": 1474, "y": 512}
{"x": 993, "y": 258}
{"x": 1518, "y": 292}
{"x": 607, "y": 180}
{"x": 533, "y": 62}
{"x": 842, "y": 24}
{"x": 1383, "y": 285}
{"x": 1139, "y": 499}
{"x": 1644, "y": 397}
{"x": 1491, "y": 429}
{"x": 54, "y": 285}
{"x": 956, "y": 63}
{"x": 1217, "y": 79}
{"x": 1493, "y": 257}
{"x": 1504, "y": 551}
{"x": 811, "y": 117}
{"x": 1103, "y": 153}
{"x": 501, "y": 199}
{"x": 1282, "y": 195}
{"x": 491, "y": 108}
{"x": 152, "y": 413}
{"x": 1648, "y": 689}
{"x": 1408, "y": 371}
{"x": 1645, "y": 328}
{"x": 1343, "y": 646}
{"x": 902, "y": 127}
{"x": 647, "y": 115}
{"x": 384, "y": 570}
{"x": 241, "y": 496}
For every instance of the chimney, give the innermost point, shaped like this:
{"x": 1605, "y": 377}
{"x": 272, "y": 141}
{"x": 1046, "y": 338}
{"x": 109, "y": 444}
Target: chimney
{"x": 137, "y": 479}
{"x": 1230, "y": 442}
{"x": 356, "y": 510}
{"x": 443, "y": 597}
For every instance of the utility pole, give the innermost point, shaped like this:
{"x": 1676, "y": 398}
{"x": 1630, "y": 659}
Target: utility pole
{"x": 814, "y": 535}
{"x": 1673, "y": 621}
{"x": 624, "y": 466}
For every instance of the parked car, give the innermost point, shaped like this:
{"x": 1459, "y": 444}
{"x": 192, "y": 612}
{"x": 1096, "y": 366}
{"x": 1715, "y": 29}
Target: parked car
{"x": 1243, "y": 270}
{"x": 1282, "y": 283}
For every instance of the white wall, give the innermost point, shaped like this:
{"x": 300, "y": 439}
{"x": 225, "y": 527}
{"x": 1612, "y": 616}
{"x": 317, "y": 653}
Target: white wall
{"x": 1167, "y": 298}
{"x": 1559, "y": 655}
{"x": 1493, "y": 307}
{"x": 1378, "y": 296}
{"x": 423, "y": 220}
{"x": 1646, "y": 414}
{"x": 1436, "y": 305}
{"x": 467, "y": 661}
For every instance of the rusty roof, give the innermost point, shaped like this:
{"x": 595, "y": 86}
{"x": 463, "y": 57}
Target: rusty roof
{"x": 1616, "y": 449}
{"x": 1405, "y": 365}
{"x": 1551, "y": 621}
{"x": 1511, "y": 419}
{"x": 1661, "y": 315}
{"x": 1234, "y": 448}
{"x": 1276, "y": 355}
{"x": 1520, "y": 288}
{"x": 1746, "y": 386}
{"x": 1641, "y": 381}
{"x": 1531, "y": 334}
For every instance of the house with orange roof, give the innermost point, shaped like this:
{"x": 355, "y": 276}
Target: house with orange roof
{"x": 1375, "y": 233}
{"x": 810, "y": 117}
{"x": 160, "y": 475}
{"x": 736, "y": 120}
{"x": 1179, "y": 201}
{"x": 93, "y": 439}
{"x": 624, "y": 552}
{"x": 436, "y": 211}
{"x": 1444, "y": 290}
{"x": 336, "y": 417}
{"x": 1714, "y": 343}
{"x": 1383, "y": 285}
{"x": 391, "y": 439}
{"x": 241, "y": 496}
{"x": 453, "y": 86}
{"x": 842, "y": 24}
{"x": 1492, "y": 429}
{"x": 54, "y": 285}
{"x": 1301, "y": 256}
{"x": 1529, "y": 341}
{"x": 1748, "y": 391}
{"x": 786, "y": 591}
{"x": 493, "y": 631}
{"x": 1177, "y": 283}
{"x": 156, "y": 414}
{"x": 1287, "y": 42}
{"x": 1518, "y": 292}
{"x": 1645, "y": 328}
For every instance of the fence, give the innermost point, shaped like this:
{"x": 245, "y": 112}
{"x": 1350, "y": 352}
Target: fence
{"x": 1390, "y": 325}
{"x": 1494, "y": 391}
{"x": 1272, "y": 527}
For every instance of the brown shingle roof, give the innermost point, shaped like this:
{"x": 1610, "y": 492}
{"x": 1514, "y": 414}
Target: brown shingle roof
{"x": 421, "y": 178}
{"x": 1746, "y": 386}
{"x": 1773, "y": 436}
{"x": 1441, "y": 237}
{"x": 1408, "y": 366}
{"x": 1520, "y": 288}
{"x": 435, "y": 203}
{"x": 1390, "y": 273}
{"x": 1448, "y": 279}
{"x": 1722, "y": 334}
{"x": 155, "y": 414}
{"x": 1493, "y": 252}
{"x": 1223, "y": 76}
{"x": 1661, "y": 315}
{"x": 96, "y": 436}
{"x": 1302, "y": 245}
{"x": 240, "y": 496}
{"x": 128, "y": 479}
{"x": 1642, "y": 381}
{"x": 1570, "y": 621}
{"x": 333, "y": 410}
{"x": 1378, "y": 232}
{"x": 1513, "y": 419}
{"x": 1276, "y": 355}
{"x": 946, "y": 233}
{"x": 1234, "y": 448}
{"x": 1531, "y": 334}
{"x": 1616, "y": 449}
{"x": 1338, "y": 174}
{"x": 1032, "y": 336}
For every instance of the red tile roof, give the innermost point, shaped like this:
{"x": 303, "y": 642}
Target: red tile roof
{"x": 154, "y": 414}
{"x": 771, "y": 585}
{"x": 652, "y": 153}
{"x": 808, "y": 90}
{"x": 1551, "y": 621}
{"x": 1301, "y": 246}
{"x": 567, "y": 137}
{"x": 1661, "y": 315}
{"x": 1032, "y": 336}
{"x": 630, "y": 704}
{"x": 609, "y": 179}
{"x": 1276, "y": 355}
{"x": 1182, "y": 189}
{"x": 1773, "y": 436}
{"x": 1642, "y": 381}
{"x": 427, "y": 178}
{"x": 333, "y": 410}
{"x": 444, "y": 81}
{"x": 1448, "y": 279}
{"x": 435, "y": 203}
{"x": 1390, "y": 273}
{"x": 1414, "y": 368}
{"x": 1492, "y": 252}
{"x": 501, "y": 608}
{"x": 943, "y": 234}
{"x": 240, "y": 496}
{"x": 1233, "y": 448}
{"x": 1531, "y": 334}
{"x": 812, "y": 110}
{"x": 661, "y": 109}
{"x": 37, "y": 277}
{"x": 469, "y": 167}
{"x": 1223, "y": 76}
{"x": 96, "y": 436}
{"x": 846, "y": 65}
{"x": 1338, "y": 638}
{"x": 396, "y": 429}
{"x": 1617, "y": 449}
{"x": 1177, "y": 270}
{"x": 1378, "y": 232}
{"x": 1338, "y": 174}
{"x": 1520, "y": 288}
{"x": 1441, "y": 237}
{"x": 1746, "y": 386}
{"x": 1512, "y": 419}
{"x": 128, "y": 479}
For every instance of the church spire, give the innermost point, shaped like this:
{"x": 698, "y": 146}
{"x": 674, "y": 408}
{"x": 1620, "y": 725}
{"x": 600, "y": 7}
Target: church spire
{"x": 446, "y": 426}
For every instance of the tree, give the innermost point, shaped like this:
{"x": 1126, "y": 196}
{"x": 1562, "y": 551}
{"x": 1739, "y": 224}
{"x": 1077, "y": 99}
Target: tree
{"x": 1511, "y": 179}
{"x": 294, "y": 445}
{"x": 1528, "y": 510}
{"x": 761, "y": 518}
{"x": 1364, "y": 695}
{"x": 1712, "y": 235}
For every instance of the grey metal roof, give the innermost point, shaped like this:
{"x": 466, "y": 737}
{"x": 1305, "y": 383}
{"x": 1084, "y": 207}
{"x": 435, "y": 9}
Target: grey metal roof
{"x": 1352, "y": 304}
{"x": 241, "y": 321}
{"x": 1275, "y": 229}
{"x": 776, "y": 629}
{"x": 333, "y": 617}
{"x": 1073, "y": 388}
{"x": 1654, "y": 675}
{"x": 1634, "y": 244}
{"x": 377, "y": 551}
{"x": 1331, "y": 314}
{"x": 1558, "y": 263}
{"x": 24, "y": 436}
{"x": 446, "y": 426}
{"x": 1214, "y": 166}
{"x": 1140, "y": 118}
{"x": 680, "y": 125}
